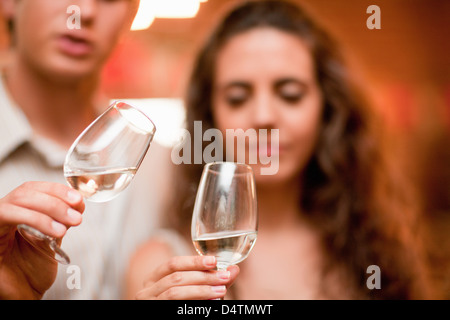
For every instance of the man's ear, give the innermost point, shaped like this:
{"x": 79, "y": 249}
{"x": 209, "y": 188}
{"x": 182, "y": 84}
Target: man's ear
{"x": 8, "y": 8}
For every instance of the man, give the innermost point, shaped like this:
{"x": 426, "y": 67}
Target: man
{"x": 47, "y": 97}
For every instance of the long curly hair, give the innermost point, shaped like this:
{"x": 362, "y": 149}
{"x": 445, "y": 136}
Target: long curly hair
{"x": 363, "y": 212}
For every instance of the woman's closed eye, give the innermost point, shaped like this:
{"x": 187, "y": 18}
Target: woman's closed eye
{"x": 236, "y": 94}
{"x": 290, "y": 90}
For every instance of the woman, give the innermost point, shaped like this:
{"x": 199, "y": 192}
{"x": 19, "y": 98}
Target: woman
{"x": 331, "y": 211}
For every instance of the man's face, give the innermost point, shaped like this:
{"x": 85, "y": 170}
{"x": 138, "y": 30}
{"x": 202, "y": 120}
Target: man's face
{"x": 66, "y": 38}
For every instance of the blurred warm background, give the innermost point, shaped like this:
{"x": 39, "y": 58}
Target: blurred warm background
{"x": 405, "y": 67}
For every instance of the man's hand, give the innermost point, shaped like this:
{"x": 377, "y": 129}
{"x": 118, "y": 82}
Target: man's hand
{"x": 26, "y": 273}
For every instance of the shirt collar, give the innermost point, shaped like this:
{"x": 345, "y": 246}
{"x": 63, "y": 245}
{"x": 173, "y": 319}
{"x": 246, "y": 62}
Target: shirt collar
{"x": 53, "y": 154}
{"x": 15, "y": 130}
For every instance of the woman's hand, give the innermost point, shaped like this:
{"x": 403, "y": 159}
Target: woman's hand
{"x": 188, "y": 278}
{"x": 51, "y": 208}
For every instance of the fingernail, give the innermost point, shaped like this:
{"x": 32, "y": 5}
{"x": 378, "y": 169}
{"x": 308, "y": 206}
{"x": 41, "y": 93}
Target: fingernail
{"x": 224, "y": 275}
{"x": 58, "y": 227}
{"x": 74, "y": 196}
{"x": 74, "y": 215}
{"x": 209, "y": 261}
{"x": 219, "y": 289}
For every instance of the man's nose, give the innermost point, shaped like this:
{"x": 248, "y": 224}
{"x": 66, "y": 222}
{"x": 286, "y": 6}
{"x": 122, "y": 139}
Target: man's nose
{"x": 88, "y": 10}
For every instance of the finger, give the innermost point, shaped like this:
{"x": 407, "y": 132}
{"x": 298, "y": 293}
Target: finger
{"x": 234, "y": 272}
{"x": 184, "y": 263}
{"x": 61, "y": 191}
{"x": 193, "y": 292}
{"x": 51, "y": 205}
{"x": 11, "y": 214}
{"x": 187, "y": 278}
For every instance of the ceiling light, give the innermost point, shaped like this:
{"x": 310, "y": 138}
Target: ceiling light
{"x": 175, "y": 8}
{"x": 145, "y": 16}
{"x": 169, "y": 9}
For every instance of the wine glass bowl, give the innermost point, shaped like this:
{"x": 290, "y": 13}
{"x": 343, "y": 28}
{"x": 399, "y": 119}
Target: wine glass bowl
{"x": 105, "y": 157}
{"x": 225, "y": 219}
{"x": 101, "y": 163}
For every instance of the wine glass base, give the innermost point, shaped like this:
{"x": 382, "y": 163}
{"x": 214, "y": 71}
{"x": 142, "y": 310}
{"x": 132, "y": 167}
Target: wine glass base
{"x": 38, "y": 240}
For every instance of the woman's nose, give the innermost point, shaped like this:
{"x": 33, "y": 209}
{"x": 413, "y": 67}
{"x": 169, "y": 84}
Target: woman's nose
{"x": 265, "y": 114}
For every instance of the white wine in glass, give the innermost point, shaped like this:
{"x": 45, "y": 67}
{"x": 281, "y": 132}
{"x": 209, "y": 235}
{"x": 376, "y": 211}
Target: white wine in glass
{"x": 225, "y": 216}
{"x": 229, "y": 247}
{"x": 101, "y": 186}
{"x": 101, "y": 162}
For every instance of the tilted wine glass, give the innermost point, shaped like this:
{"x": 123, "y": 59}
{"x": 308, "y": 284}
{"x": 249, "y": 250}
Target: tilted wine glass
{"x": 225, "y": 216}
{"x": 101, "y": 163}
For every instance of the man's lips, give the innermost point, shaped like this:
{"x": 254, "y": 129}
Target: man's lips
{"x": 73, "y": 45}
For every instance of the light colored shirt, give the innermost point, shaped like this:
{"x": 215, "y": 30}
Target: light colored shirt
{"x": 100, "y": 247}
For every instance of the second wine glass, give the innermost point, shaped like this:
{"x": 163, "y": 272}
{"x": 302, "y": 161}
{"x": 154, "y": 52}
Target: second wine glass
{"x": 225, "y": 216}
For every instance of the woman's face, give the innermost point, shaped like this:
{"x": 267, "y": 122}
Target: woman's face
{"x": 265, "y": 79}
{"x": 66, "y": 37}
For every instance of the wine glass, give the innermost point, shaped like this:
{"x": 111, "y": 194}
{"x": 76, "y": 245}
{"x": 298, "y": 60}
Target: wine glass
{"x": 101, "y": 163}
{"x": 225, "y": 216}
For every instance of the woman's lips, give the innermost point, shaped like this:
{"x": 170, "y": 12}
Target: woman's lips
{"x": 267, "y": 149}
{"x": 74, "y": 46}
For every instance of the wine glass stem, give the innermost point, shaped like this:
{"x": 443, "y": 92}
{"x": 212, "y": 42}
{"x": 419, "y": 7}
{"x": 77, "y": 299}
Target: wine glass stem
{"x": 27, "y": 232}
{"x": 221, "y": 267}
